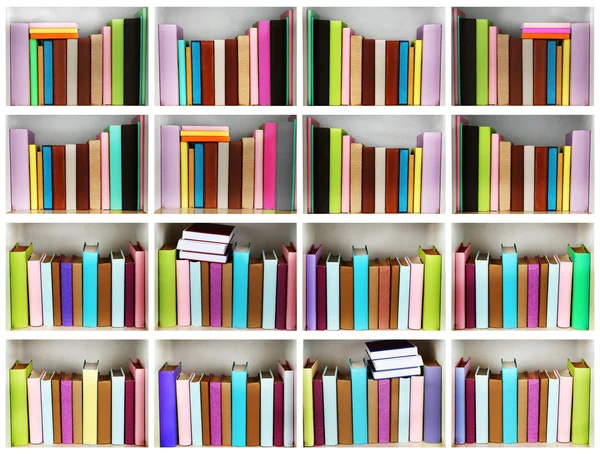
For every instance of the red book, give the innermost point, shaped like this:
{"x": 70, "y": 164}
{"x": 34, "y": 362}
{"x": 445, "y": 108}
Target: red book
{"x": 470, "y": 293}
{"x": 210, "y": 174}
{"x": 82, "y": 178}
{"x": 470, "y": 407}
{"x": 392, "y": 60}
{"x": 231, "y": 72}
{"x": 129, "y": 292}
{"x": 540, "y": 194}
{"x": 368, "y": 72}
{"x": 318, "y": 409}
{"x": 392, "y": 175}
{"x": 540, "y": 70}
{"x": 280, "y": 302}
{"x": 517, "y": 172}
{"x": 278, "y": 411}
{"x": 59, "y": 184}
{"x": 322, "y": 294}
{"x": 207, "y": 65}
{"x": 129, "y": 409}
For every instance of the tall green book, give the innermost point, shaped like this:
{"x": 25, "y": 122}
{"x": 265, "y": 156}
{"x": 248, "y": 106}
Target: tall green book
{"x": 143, "y": 15}
{"x": 580, "y": 299}
{"x": 19, "y": 300}
{"x": 335, "y": 169}
{"x": 117, "y": 49}
{"x": 432, "y": 287}
{"x": 335, "y": 62}
{"x": 33, "y": 71}
{"x": 311, "y": 16}
{"x": 167, "y": 291}
{"x": 19, "y": 419}
{"x": 580, "y": 411}
{"x": 484, "y": 171}
{"x": 115, "y": 176}
{"x": 482, "y": 39}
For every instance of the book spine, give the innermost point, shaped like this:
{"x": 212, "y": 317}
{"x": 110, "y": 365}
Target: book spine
{"x": 361, "y": 292}
{"x": 533, "y": 287}
{"x": 266, "y": 410}
{"x": 118, "y": 410}
{"x": 580, "y": 64}
{"x": 48, "y": 431}
{"x": 278, "y": 414}
{"x": 431, "y": 35}
{"x": 241, "y": 263}
{"x": 167, "y": 407}
{"x": 34, "y": 402}
{"x": 215, "y": 294}
{"x": 238, "y": 408}
{"x": 19, "y": 65}
{"x": 90, "y": 406}
{"x": 196, "y": 413}
{"x": 416, "y": 408}
{"x": 330, "y": 409}
{"x": 580, "y": 300}
{"x": 432, "y": 419}
{"x": 383, "y": 422}
{"x": 168, "y": 35}
{"x": 509, "y": 405}
{"x": 215, "y": 413}
{"x": 404, "y": 410}
{"x": 269, "y": 293}
{"x": 90, "y": 289}
{"x": 106, "y": 32}
{"x": 269, "y": 165}
{"x": 264, "y": 63}
{"x": 358, "y": 383}
{"x": 319, "y": 424}
{"x": 481, "y": 409}
{"x": 552, "y": 424}
{"x": 431, "y": 143}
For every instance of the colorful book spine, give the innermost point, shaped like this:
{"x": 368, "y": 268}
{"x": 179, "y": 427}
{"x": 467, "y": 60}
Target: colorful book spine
{"x": 358, "y": 381}
{"x": 196, "y": 412}
{"x": 264, "y": 63}
{"x": 90, "y": 403}
{"x": 241, "y": 264}
{"x": 383, "y": 406}
{"x": 509, "y": 402}
{"x": 580, "y": 299}
{"x": 509, "y": 287}
{"x": 34, "y": 401}
{"x": 579, "y": 141}
{"x": 431, "y": 143}
{"x": 167, "y": 397}
{"x": 239, "y": 377}
{"x": 330, "y": 406}
{"x": 90, "y": 286}
{"x": 482, "y": 263}
{"x": 432, "y": 417}
{"x": 47, "y": 428}
{"x": 117, "y": 389}
{"x": 417, "y": 384}
{"x": 360, "y": 267}
{"x": 19, "y": 65}
{"x": 552, "y": 424}
{"x": 333, "y": 293}
{"x": 215, "y": 410}
{"x": 404, "y": 410}
{"x": 580, "y": 65}
{"x": 267, "y": 387}
{"x": 431, "y": 35}
{"x": 19, "y": 416}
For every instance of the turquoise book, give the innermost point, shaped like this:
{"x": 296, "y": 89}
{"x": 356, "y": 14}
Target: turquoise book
{"x": 360, "y": 266}
{"x": 403, "y": 181}
{"x": 196, "y": 293}
{"x": 552, "y": 176}
{"x": 551, "y": 74}
{"x": 239, "y": 377}
{"x": 241, "y": 263}
{"x": 358, "y": 384}
{"x": 47, "y": 308}
{"x": 48, "y": 73}
{"x": 510, "y": 258}
{"x": 47, "y": 168}
{"x": 404, "y": 294}
{"x": 199, "y": 175}
{"x": 90, "y": 285}
{"x": 509, "y": 401}
{"x": 482, "y": 263}
{"x": 181, "y": 44}
{"x": 333, "y": 292}
{"x": 403, "y": 74}
{"x": 196, "y": 74}
{"x": 195, "y": 407}
{"x": 115, "y": 178}
{"x": 117, "y": 294}
{"x": 117, "y": 411}
{"x": 553, "y": 275}
{"x": 269, "y": 289}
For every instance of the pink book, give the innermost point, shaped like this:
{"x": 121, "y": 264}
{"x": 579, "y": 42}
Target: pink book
{"x": 461, "y": 255}
{"x": 546, "y": 25}
{"x": 183, "y": 292}
{"x": 415, "y": 303}
{"x": 34, "y": 405}
{"x": 19, "y": 141}
{"x": 106, "y": 32}
{"x": 264, "y": 63}
{"x": 565, "y": 280}
{"x": 290, "y": 15}
{"x": 346, "y": 141}
{"x": 138, "y": 371}
{"x": 170, "y": 174}
{"x": 215, "y": 294}
{"x": 269, "y": 165}
{"x": 253, "y": 33}
{"x": 19, "y": 65}
{"x": 258, "y": 135}
{"x": 533, "y": 406}
{"x": 138, "y": 253}
{"x": 309, "y": 122}
{"x": 495, "y": 172}
{"x": 580, "y": 69}
{"x": 565, "y": 395}
{"x": 546, "y": 30}
{"x": 457, "y": 158}
{"x": 66, "y": 408}
{"x": 184, "y": 424}
{"x": 168, "y": 35}
{"x": 431, "y": 173}
{"x": 289, "y": 253}
{"x": 417, "y": 384}
{"x": 205, "y": 128}
{"x": 34, "y": 286}
{"x": 141, "y": 119}
{"x": 54, "y": 25}
{"x": 384, "y": 410}
{"x": 493, "y": 67}
{"x": 278, "y": 411}
{"x": 215, "y": 409}
{"x": 533, "y": 292}
{"x": 455, "y": 14}
{"x": 346, "y": 33}
{"x": 431, "y": 62}
{"x": 104, "y": 170}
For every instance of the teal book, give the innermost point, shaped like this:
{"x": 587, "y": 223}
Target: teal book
{"x": 115, "y": 181}
{"x": 360, "y": 266}
{"x": 48, "y": 73}
{"x": 510, "y": 259}
{"x": 358, "y": 384}
{"x": 482, "y": 263}
{"x": 311, "y": 17}
{"x": 199, "y": 175}
{"x": 482, "y": 38}
{"x": 553, "y": 277}
{"x": 269, "y": 289}
{"x": 117, "y": 294}
{"x": 195, "y": 406}
{"x": 404, "y": 410}
{"x": 241, "y": 264}
{"x": 181, "y": 44}
{"x": 196, "y": 293}
{"x": 552, "y": 175}
{"x": 239, "y": 377}
{"x": 484, "y": 169}
{"x": 509, "y": 401}
{"x": 90, "y": 284}
{"x": 143, "y": 15}
{"x": 196, "y": 74}
{"x": 47, "y": 165}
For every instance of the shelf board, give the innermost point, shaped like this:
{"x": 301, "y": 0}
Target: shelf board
{"x": 219, "y": 211}
{"x": 523, "y": 334}
{"x": 69, "y": 333}
{"x": 555, "y": 217}
{"x": 374, "y": 334}
{"x": 225, "y": 110}
{"x": 211, "y": 333}
{"x": 420, "y": 444}
{"x": 374, "y": 110}
{"x": 97, "y": 217}
{"x": 266, "y": 218}
{"x": 358, "y": 218}
{"x": 522, "y": 110}
{"x": 519, "y": 445}
{"x": 78, "y": 110}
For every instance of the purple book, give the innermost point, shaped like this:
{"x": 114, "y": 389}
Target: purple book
{"x": 215, "y": 294}
{"x": 580, "y": 66}
{"x": 432, "y": 408}
{"x": 280, "y": 304}
{"x": 170, "y": 173}
{"x": 278, "y": 411}
{"x": 214, "y": 392}
{"x": 19, "y": 166}
{"x": 168, "y": 35}
{"x": 167, "y": 404}
{"x": 580, "y": 169}
{"x": 533, "y": 406}
{"x": 321, "y": 296}
{"x": 66, "y": 408}
{"x": 431, "y": 143}
{"x": 129, "y": 409}
{"x": 312, "y": 258}
{"x": 19, "y": 65}
{"x": 533, "y": 291}
{"x": 470, "y": 293}
{"x": 318, "y": 409}
{"x": 129, "y": 292}
{"x": 66, "y": 290}
{"x": 383, "y": 422}
{"x": 431, "y": 34}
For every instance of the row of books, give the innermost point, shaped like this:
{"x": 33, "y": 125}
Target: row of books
{"x": 78, "y": 408}
{"x": 497, "y": 175}
{"x": 255, "y": 68}
{"x": 545, "y": 406}
{"x": 81, "y": 290}
{"x": 549, "y": 64}
{"x": 361, "y": 294}
{"x": 348, "y": 177}
{"x": 106, "y": 173}
{"x": 50, "y": 64}
{"x": 348, "y": 69}
{"x": 226, "y": 410}
{"x": 522, "y": 292}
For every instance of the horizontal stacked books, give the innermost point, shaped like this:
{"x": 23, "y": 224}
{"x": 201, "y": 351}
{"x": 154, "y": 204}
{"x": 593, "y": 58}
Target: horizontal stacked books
{"x": 348, "y": 177}
{"x": 348, "y": 69}
{"x": 548, "y": 65}
{"x": 256, "y": 68}
{"x": 202, "y": 168}
{"x": 51, "y": 65}
{"x": 545, "y": 406}
{"x": 106, "y": 173}
{"x": 497, "y": 175}
{"x": 78, "y": 408}
{"x": 81, "y": 290}
{"x": 226, "y": 410}
{"x": 360, "y": 294}
{"x": 211, "y": 283}
{"x": 393, "y": 359}
{"x": 526, "y": 292}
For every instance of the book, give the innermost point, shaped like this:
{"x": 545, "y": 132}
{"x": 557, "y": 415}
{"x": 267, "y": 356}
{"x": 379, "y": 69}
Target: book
{"x": 104, "y": 410}
{"x": 358, "y": 381}
{"x": 167, "y": 377}
{"x": 417, "y": 384}
{"x": 90, "y": 402}
{"x": 470, "y": 407}
{"x": 267, "y": 386}
{"x": 344, "y": 409}
{"x": 214, "y": 394}
{"x": 18, "y": 257}
{"x": 239, "y": 375}
{"x": 431, "y": 143}
{"x": 269, "y": 287}
{"x": 543, "y": 419}
{"x": 47, "y": 426}
{"x": 34, "y": 406}
{"x": 404, "y": 410}
{"x": 335, "y": 62}
{"x": 117, "y": 433}
{"x": 34, "y": 287}
{"x": 482, "y": 263}
{"x": 19, "y": 143}
{"x": 404, "y": 293}
{"x": 495, "y": 293}
{"x": 432, "y": 264}
{"x": 287, "y": 374}
{"x": 551, "y": 431}
{"x": 580, "y": 257}
{"x": 509, "y": 256}
{"x": 309, "y": 372}
{"x": 482, "y": 377}
{"x": 482, "y": 69}
{"x": 183, "y": 409}
{"x": 432, "y": 402}
{"x": 330, "y": 406}
{"x": 431, "y": 35}
{"x": 225, "y": 412}
{"x": 580, "y": 371}
{"x": 360, "y": 259}
{"x": 56, "y": 415}
{"x": 509, "y": 401}
{"x": 253, "y": 412}
{"x": 196, "y": 412}
{"x": 312, "y": 259}
{"x": 333, "y": 293}
{"x": 579, "y": 71}
{"x": 373, "y": 409}
{"x": 264, "y": 63}
{"x": 533, "y": 291}
{"x": 241, "y": 264}
{"x": 389, "y": 349}
{"x": 533, "y": 406}
{"x": 565, "y": 399}
{"x": 495, "y": 407}
{"x": 19, "y": 416}
{"x": 318, "y": 412}
{"x": 205, "y": 408}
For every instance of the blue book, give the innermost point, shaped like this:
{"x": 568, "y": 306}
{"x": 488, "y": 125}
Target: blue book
{"x": 552, "y": 424}
{"x": 269, "y": 289}
{"x": 47, "y": 421}
{"x": 403, "y": 74}
{"x": 115, "y": 183}
{"x": 358, "y": 383}
{"x": 117, "y": 420}
{"x": 551, "y": 74}
{"x": 553, "y": 275}
{"x": 403, "y": 181}
{"x": 196, "y": 74}
{"x": 239, "y": 377}
{"x": 333, "y": 292}
{"x": 510, "y": 260}
{"x": 199, "y": 175}
{"x": 117, "y": 295}
{"x": 181, "y": 71}
{"x": 90, "y": 285}
{"x": 403, "y": 294}
{"x": 196, "y": 292}
{"x": 330, "y": 415}
{"x": 195, "y": 406}
{"x": 48, "y": 72}
{"x": 509, "y": 401}
{"x": 47, "y": 165}
{"x": 461, "y": 371}
{"x": 241, "y": 264}
{"x": 404, "y": 411}
{"x": 552, "y": 176}
{"x": 167, "y": 408}
{"x": 360, "y": 265}
{"x": 482, "y": 263}
{"x": 47, "y": 308}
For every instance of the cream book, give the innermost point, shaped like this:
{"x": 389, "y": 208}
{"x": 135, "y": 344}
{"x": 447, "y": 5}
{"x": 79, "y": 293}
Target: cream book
{"x": 90, "y": 402}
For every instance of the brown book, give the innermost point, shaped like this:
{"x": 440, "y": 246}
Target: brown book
{"x": 372, "y": 410}
{"x": 56, "y": 416}
{"x": 522, "y": 408}
{"x": 243, "y": 65}
{"x": 543, "y": 421}
{"x": 84, "y": 72}
{"x": 255, "y": 294}
{"x": 104, "y": 410}
{"x": 522, "y": 293}
{"x": 540, "y": 63}
{"x": 505, "y": 155}
{"x": 82, "y": 176}
{"x": 356, "y": 151}
{"x": 40, "y": 60}
{"x": 392, "y": 175}
{"x": 227, "y": 293}
{"x": 211, "y": 161}
{"x": 515, "y": 72}
{"x": 226, "y": 409}
{"x": 356, "y": 49}
{"x": 207, "y": 68}
{"x": 344, "y": 409}
{"x": 373, "y": 293}
{"x": 77, "y": 409}
{"x": 543, "y": 306}
{"x": 368, "y": 72}
{"x": 234, "y": 195}
{"x": 205, "y": 276}
{"x": 411, "y": 181}
{"x": 503, "y": 69}
{"x": 384, "y": 293}
{"x": 104, "y": 291}
{"x": 231, "y": 72}
{"x": 411, "y": 75}
{"x": 392, "y": 60}
{"x": 559, "y": 70}
{"x": 248, "y": 173}
{"x": 517, "y": 182}
{"x": 205, "y": 408}
{"x": 59, "y": 72}
{"x": 559, "y": 181}
{"x": 346, "y": 296}
{"x": 253, "y": 412}
{"x": 540, "y": 192}
{"x": 59, "y": 182}
{"x": 495, "y": 408}
{"x": 495, "y": 293}
{"x": 56, "y": 301}
{"x": 368, "y": 180}
{"x": 191, "y": 176}
{"x": 394, "y": 289}
{"x": 394, "y": 408}
{"x": 95, "y": 181}
{"x": 96, "y": 70}
{"x": 40, "y": 179}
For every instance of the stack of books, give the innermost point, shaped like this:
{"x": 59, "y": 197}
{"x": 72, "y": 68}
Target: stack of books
{"x": 256, "y": 68}
{"x": 493, "y": 174}
{"x": 201, "y": 167}
{"x": 78, "y": 408}
{"x": 379, "y": 180}
{"x": 50, "y": 64}
{"x": 105, "y": 173}
{"x": 393, "y": 359}
{"x": 206, "y": 242}
{"x": 345, "y": 68}
{"x": 226, "y": 410}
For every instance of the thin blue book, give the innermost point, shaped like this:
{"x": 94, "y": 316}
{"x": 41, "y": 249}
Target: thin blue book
{"x": 47, "y": 308}
{"x": 360, "y": 265}
{"x": 358, "y": 383}
{"x": 90, "y": 285}
{"x": 117, "y": 433}
{"x": 269, "y": 289}
{"x": 510, "y": 259}
{"x": 239, "y": 377}
{"x": 509, "y": 401}
{"x": 115, "y": 178}
{"x": 241, "y": 263}
{"x": 195, "y": 407}
{"x": 404, "y": 413}
{"x": 117, "y": 294}
{"x": 47, "y": 167}
{"x": 552, "y": 176}
{"x": 199, "y": 175}
{"x": 403, "y": 74}
{"x": 181, "y": 43}
{"x": 551, "y": 74}
{"x": 196, "y": 293}
{"x": 196, "y": 74}
{"x": 403, "y": 181}
{"x": 48, "y": 73}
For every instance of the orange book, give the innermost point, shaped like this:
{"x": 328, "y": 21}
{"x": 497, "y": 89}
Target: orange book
{"x": 545, "y": 36}
{"x": 53, "y": 36}
{"x": 204, "y": 139}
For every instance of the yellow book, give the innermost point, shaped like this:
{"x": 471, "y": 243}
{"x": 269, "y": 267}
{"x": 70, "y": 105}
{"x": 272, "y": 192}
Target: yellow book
{"x": 191, "y": 178}
{"x": 418, "y": 45}
{"x": 417, "y": 180}
{"x": 33, "y": 200}
{"x": 188, "y": 75}
{"x": 183, "y": 158}
{"x": 310, "y": 369}
{"x": 566, "y": 78}
{"x": 90, "y": 403}
{"x": 213, "y": 133}
{"x": 53, "y": 31}
{"x": 566, "y": 193}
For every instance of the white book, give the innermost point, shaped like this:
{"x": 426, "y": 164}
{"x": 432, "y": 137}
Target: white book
{"x": 330, "y": 416}
{"x": 117, "y": 387}
{"x": 333, "y": 292}
{"x": 553, "y": 275}
{"x": 397, "y": 363}
{"x": 552, "y": 426}
{"x": 117, "y": 297}
{"x": 47, "y": 424}
{"x": 379, "y": 180}
{"x": 47, "y": 298}
{"x": 393, "y": 373}
{"x": 266, "y": 408}
{"x": 403, "y": 293}
{"x": 527, "y": 73}
{"x": 202, "y": 257}
{"x": 481, "y": 409}
{"x": 482, "y": 263}
{"x": 379, "y": 74}
{"x": 528, "y": 177}
{"x": 72, "y": 52}
{"x": 223, "y": 175}
{"x": 219, "y": 72}
{"x": 71, "y": 175}
{"x": 269, "y": 289}
{"x": 195, "y": 406}
{"x": 404, "y": 410}
{"x": 287, "y": 374}
{"x": 201, "y": 246}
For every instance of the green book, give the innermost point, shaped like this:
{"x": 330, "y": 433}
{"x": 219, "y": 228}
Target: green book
{"x": 580, "y": 411}
{"x": 335, "y": 169}
{"x": 19, "y": 301}
{"x": 143, "y": 15}
{"x": 580, "y": 299}
{"x": 117, "y": 49}
{"x": 33, "y": 72}
{"x": 167, "y": 289}
{"x": 311, "y": 16}
{"x": 19, "y": 420}
{"x": 484, "y": 172}
{"x": 114, "y": 157}
{"x": 335, "y": 62}
{"x": 432, "y": 287}
{"x": 482, "y": 38}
